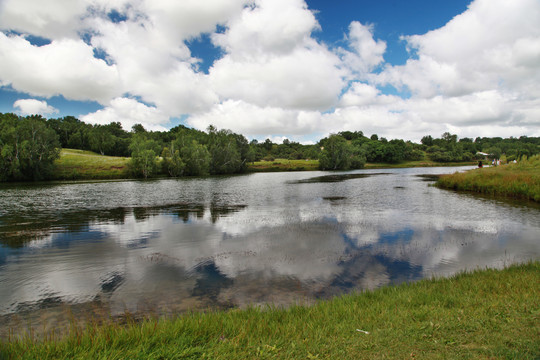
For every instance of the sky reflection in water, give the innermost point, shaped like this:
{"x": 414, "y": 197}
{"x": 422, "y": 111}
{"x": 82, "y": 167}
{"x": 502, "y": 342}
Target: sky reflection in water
{"x": 168, "y": 246}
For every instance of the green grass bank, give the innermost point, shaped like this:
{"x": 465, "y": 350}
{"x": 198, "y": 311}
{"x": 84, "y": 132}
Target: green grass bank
{"x": 484, "y": 314}
{"x": 310, "y": 165}
{"x": 85, "y": 165}
{"x": 520, "y": 180}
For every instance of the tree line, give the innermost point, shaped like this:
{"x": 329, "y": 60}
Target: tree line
{"x": 30, "y": 145}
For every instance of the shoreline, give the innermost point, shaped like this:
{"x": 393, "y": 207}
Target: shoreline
{"x": 479, "y": 313}
{"x": 518, "y": 181}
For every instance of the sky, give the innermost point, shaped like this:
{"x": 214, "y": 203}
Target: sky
{"x": 295, "y": 69}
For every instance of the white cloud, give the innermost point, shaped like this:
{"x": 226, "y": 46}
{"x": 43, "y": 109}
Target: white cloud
{"x": 493, "y": 45}
{"x": 367, "y": 54}
{"x": 257, "y": 122}
{"x": 33, "y": 107}
{"x": 272, "y": 61}
{"x": 180, "y": 20}
{"x": 49, "y": 19}
{"x": 271, "y": 27}
{"x": 305, "y": 79}
{"x": 129, "y": 112}
{"x": 64, "y": 67}
{"x": 480, "y": 72}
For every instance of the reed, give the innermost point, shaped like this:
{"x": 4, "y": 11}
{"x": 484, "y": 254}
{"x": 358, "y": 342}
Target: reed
{"x": 483, "y": 314}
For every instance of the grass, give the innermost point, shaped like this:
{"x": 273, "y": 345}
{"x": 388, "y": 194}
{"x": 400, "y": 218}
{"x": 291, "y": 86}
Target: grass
{"x": 303, "y": 165}
{"x": 86, "y": 165}
{"x": 520, "y": 180}
{"x": 418, "y": 163}
{"x": 485, "y": 314}
{"x": 283, "y": 165}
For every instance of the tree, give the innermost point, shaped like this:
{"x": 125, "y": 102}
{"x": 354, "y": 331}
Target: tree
{"x": 225, "y": 157}
{"x": 28, "y": 148}
{"x": 143, "y": 161}
{"x": 172, "y": 164}
{"x": 427, "y": 140}
{"x": 196, "y": 157}
{"x": 101, "y": 139}
{"x": 336, "y": 154}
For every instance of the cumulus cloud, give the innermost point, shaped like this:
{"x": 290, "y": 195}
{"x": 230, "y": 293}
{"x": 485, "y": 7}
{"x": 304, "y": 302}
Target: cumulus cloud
{"x": 478, "y": 73}
{"x": 367, "y": 52}
{"x": 495, "y": 44}
{"x": 64, "y": 67}
{"x": 272, "y": 61}
{"x": 257, "y": 122}
{"x": 33, "y": 107}
{"x": 49, "y": 19}
{"x": 129, "y": 112}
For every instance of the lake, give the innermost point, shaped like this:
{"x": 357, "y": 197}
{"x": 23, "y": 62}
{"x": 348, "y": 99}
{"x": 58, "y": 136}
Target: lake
{"x": 91, "y": 250}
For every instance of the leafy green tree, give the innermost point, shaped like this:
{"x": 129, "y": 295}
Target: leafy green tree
{"x": 427, "y": 140}
{"x": 228, "y": 151}
{"x": 336, "y": 154}
{"x": 196, "y": 157}
{"x": 28, "y": 148}
{"x": 143, "y": 161}
{"x": 101, "y": 139}
{"x": 172, "y": 164}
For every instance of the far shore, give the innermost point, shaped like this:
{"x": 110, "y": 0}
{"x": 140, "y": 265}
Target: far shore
{"x": 86, "y": 165}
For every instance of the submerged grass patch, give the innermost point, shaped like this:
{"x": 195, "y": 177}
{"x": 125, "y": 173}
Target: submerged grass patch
{"x": 86, "y": 165}
{"x": 520, "y": 180}
{"x": 482, "y": 315}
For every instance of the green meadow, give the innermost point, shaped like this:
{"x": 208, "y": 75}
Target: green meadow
{"x": 86, "y": 165}
{"x": 519, "y": 180}
{"x": 306, "y": 165}
{"x": 283, "y": 165}
{"x": 484, "y": 314}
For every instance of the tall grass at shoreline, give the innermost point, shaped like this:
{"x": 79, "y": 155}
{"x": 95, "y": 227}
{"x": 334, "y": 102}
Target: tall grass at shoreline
{"x": 520, "y": 180}
{"x": 487, "y": 314}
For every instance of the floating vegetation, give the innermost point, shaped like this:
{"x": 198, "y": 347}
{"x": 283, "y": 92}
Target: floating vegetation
{"x": 334, "y": 198}
{"x": 334, "y": 178}
{"x": 428, "y": 177}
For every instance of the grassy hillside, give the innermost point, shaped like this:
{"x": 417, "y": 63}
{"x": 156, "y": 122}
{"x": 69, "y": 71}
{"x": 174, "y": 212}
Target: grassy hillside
{"x": 520, "y": 180}
{"x": 488, "y": 314}
{"x": 85, "y": 165}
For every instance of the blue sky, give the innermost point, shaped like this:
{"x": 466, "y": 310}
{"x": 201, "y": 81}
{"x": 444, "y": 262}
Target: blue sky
{"x": 391, "y": 19}
{"x": 278, "y": 68}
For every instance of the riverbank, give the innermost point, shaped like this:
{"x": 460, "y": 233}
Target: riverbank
{"x": 520, "y": 180}
{"x": 85, "y": 165}
{"x": 480, "y": 314}
{"x": 76, "y": 164}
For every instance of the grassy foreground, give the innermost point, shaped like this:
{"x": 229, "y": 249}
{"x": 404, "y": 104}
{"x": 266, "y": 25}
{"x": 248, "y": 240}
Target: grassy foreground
{"x": 487, "y": 314}
{"x": 520, "y": 180}
{"x": 85, "y": 165}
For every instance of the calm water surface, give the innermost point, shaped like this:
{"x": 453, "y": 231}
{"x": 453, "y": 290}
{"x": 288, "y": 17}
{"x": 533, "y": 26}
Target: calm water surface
{"x": 167, "y": 246}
